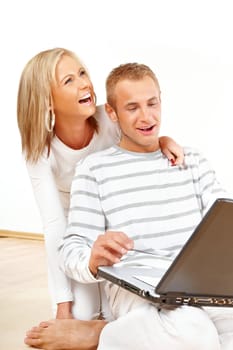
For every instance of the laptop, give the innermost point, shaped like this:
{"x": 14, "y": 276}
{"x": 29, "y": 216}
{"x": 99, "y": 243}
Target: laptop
{"x": 201, "y": 274}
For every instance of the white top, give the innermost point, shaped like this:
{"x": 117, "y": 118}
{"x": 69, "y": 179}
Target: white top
{"x": 140, "y": 194}
{"x": 51, "y": 180}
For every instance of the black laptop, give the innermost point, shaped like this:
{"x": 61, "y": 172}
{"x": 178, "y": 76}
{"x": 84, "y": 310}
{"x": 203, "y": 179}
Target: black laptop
{"x": 201, "y": 274}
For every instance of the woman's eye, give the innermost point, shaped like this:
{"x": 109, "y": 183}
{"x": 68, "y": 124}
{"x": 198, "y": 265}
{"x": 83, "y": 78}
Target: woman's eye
{"x": 69, "y": 80}
{"x": 82, "y": 72}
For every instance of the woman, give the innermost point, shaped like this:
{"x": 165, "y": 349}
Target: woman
{"x": 59, "y": 124}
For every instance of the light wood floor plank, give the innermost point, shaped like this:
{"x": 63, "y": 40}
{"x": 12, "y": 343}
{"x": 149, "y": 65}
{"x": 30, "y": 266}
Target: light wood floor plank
{"x": 24, "y": 299}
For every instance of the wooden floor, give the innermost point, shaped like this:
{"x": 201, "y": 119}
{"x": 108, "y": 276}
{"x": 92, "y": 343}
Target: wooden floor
{"x": 24, "y": 300}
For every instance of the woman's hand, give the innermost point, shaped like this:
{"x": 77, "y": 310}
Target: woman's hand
{"x": 172, "y": 150}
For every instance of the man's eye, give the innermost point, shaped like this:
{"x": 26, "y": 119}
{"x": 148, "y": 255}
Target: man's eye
{"x": 153, "y": 104}
{"x": 132, "y": 109}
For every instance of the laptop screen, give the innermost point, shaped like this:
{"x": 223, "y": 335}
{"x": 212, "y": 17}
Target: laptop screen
{"x": 205, "y": 264}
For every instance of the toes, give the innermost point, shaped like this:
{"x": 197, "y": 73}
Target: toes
{"x": 33, "y": 329}
{"x": 32, "y": 334}
{"x": 44, "y": 324}
{"x": 32, "y": 342}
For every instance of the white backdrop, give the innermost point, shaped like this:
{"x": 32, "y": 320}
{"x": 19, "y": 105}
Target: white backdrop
{"x": 187, "y": 42}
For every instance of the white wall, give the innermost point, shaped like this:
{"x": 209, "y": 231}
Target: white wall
{"x": 187, "y": 43}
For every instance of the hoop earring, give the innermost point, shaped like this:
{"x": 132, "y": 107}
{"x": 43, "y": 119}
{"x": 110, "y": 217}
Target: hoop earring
{"x": 95, "y": 98}
{"x": 49, "y": 121}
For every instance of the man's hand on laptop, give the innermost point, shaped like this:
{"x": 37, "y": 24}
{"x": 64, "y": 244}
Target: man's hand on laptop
{"x": 108, "y": 249}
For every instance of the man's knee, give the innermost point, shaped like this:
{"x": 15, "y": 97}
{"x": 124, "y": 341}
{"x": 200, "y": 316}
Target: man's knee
{"x": 146, "y": 328}
{"x": 195, "y": 328}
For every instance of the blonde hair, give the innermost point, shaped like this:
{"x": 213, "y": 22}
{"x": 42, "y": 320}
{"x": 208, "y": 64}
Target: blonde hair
{"x": 130, "y": 71}
{"x": 34, "y": 100}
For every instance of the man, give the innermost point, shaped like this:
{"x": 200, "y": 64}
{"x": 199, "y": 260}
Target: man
{"x": 130, "y": 196}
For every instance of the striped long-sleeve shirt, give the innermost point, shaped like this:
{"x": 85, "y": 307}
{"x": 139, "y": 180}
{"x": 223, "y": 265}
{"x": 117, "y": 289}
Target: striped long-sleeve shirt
{"x": 140, "y": 194}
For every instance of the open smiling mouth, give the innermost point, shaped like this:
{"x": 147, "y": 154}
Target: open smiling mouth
{"x": 149, "y": 128}
{"x": 86, "y": 99}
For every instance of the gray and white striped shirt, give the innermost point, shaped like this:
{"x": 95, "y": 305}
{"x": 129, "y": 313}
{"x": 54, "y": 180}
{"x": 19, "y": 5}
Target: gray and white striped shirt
{"x": 140, "y": 194}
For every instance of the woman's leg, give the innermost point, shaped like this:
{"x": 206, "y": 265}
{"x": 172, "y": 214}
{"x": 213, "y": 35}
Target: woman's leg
{"x": 89, "y": 301}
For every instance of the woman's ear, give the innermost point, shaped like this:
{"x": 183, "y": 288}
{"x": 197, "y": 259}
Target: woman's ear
{"x": 111, "y": 113}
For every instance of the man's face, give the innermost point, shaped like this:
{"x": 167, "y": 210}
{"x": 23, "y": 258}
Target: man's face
{"x": 138, "y": 110}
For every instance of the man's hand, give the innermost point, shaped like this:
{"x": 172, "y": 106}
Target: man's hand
{"x": 108, "y": 249}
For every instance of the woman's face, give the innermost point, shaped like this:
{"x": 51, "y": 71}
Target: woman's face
{"x": 72, "y": 94}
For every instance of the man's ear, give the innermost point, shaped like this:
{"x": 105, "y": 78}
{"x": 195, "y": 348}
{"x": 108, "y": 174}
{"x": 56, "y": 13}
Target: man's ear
{"x": 111, "y": 113}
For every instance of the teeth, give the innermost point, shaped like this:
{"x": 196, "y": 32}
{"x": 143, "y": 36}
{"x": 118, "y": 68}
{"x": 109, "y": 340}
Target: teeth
{"x": 86, "y": 96}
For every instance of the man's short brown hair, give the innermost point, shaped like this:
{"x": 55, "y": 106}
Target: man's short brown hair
{"x": 129, "y": 71}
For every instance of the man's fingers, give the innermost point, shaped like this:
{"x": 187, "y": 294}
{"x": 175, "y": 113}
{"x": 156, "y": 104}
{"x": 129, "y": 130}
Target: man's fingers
{"x": 108, "y": 249}
{"x": 113, "y": 246}
{"x": 119, "y": 238}
{"x": 102, "y": 257}
{"x": 105, "y": 256}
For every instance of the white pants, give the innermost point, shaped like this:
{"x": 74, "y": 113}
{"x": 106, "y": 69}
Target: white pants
{"x": 139, "y": 325}
{"x": 222, "y": 318}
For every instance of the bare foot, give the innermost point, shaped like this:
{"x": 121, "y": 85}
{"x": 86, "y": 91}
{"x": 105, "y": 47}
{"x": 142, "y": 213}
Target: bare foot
{"x": 65, "y": 334}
